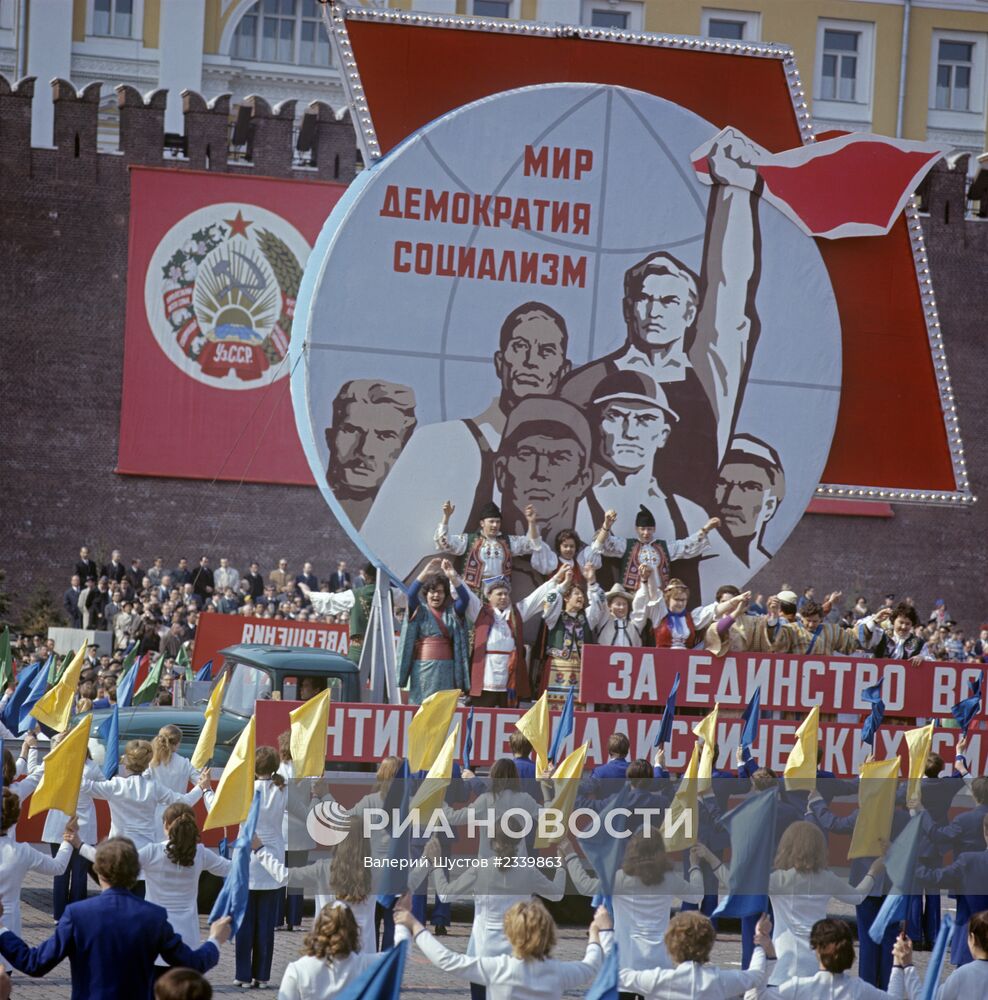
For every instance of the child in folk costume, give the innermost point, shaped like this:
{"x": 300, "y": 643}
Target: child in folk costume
{"x": 528, "y": 973}
{"x": 16, "y": 860}
{"x": 647, "y": 550}
{"x": 169, "y": 767}
{"x": 134, "y": 797}
{"x": 624, "y": 621}
{"x": 332, "y": 956}
{"x": 570, "y": 551}
{"x": 677, "y": 628}
{"x": 833, "y": 943}
{"x": 171, "y": 869}
{"x": 487, "y": 554}
{"x": 689, "y": 942}
{"x": 255, "y": 939}
{"x": 568, "y": 627}
{"x": 644, "y": 891}
{"x": 72, "y": 885}
{"x": 432, "y": 650}
{"x": 498, "y": 673}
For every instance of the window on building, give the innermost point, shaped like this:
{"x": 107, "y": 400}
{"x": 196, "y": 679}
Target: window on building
{"x": 839, "y": 68}
{"x": 283, "y": 31}
{"x": 113, "y": 17}
{"x": 955, "y": 63}
{"x": 604, "y": 18}
{"x": 720, "y": 27}
{"x": 492, "y": 8}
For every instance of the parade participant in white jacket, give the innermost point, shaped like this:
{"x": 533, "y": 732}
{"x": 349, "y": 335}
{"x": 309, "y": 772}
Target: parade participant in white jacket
{"x": 169, "y": 767}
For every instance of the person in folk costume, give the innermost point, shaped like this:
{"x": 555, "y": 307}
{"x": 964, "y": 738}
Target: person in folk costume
{"x": 748, "y": 632}
{"x": 570, "y": 551}
{"x": 433, "y": 653}
{"x": 16, "y": 860}
{"x": 805, "y": 633}
{"x": 677, "y": 628}
{"x": 498, "y": 673}
{"x": 619, "y": 618}
{"x": 892, "y": 637}
{"x": 171, "y": 869}
{"x": 487, "y": 553}
{"x": 363, "y": 598}
{"x": 558, "y": 655}
{"x": 647, "y": 550}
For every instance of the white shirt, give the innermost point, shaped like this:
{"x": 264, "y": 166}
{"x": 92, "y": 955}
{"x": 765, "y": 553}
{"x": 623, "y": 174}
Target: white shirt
{"x": 85, "y": 810}
{"x": 510, "y": 978}
{"x": 299, "y": 797}
{"x": 799, "y": 900}
{"x": 693, "y": 981}
{"x": 274, "y": 802}
{"x": 842, "y": 986}
{"x": 16, "y": 860}
{"x": 490, "y": 553}
{"x": 310, "y": 978}
{"x": 176, "y": 776}
{"x": 966, "y": 983}
{"x": 134, "y": 800}
{"x": 641, "y": 912}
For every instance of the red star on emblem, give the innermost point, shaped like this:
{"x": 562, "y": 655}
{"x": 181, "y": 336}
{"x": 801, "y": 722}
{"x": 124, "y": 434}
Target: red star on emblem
{"x": 238, "y": 226}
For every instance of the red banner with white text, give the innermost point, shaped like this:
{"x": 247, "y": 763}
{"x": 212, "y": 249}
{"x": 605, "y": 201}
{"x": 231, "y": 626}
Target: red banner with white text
{"x": 787, "y": 683}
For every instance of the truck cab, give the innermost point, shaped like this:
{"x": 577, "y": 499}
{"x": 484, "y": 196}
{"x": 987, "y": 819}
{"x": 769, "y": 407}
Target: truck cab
{"x": 253, "y": 673}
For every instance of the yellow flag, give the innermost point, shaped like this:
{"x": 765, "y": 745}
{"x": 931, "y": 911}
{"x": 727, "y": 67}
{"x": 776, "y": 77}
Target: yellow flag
{"x": 534, "y": 726}
{"x": 428, "y": 728}
{"x": 919, "y": 742}
{"x": 566, "y": 780}
{"x": 876, "y": 804}
{"x": 682, "y": 819}
{"x": 432, "y": 791}
{"x": 54, "y": 708}
{"x": 206, "y": 743}
{"x": 235, "y": 792}
{"x": 308, "y": 740}
{"x": 59, "y": 787}
{"x": 706, "y": 729}
{"x": 800, "y": 769}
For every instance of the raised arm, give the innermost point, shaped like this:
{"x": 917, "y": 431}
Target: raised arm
{"x": 446, "y": 542}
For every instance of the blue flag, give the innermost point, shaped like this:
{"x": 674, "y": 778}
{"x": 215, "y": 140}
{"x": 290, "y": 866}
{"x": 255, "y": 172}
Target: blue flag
{"x": 232, "y": 900}
{"x": 109, "y": 733}
{"x": 564, "y": 726}
{"x": 604, "y": 851}
{"x": 398, "y": 798}
{"x": 752, "y": 849}
{"x": 873, "y": 695}
{"x": 937, "y": 956}
{"x": 205, "y": 671}
{"x": 605, "y": 985}
{"x": 668, "y": 714}
{"x": 468, "y": 741}
{"x": 752, "y": 717}
{"x": 900, "y": 866}
{"x": 125, "y": 687}
{"x": 964, "y": 711}
{"x": 382, "y": 981}
{"x": 38, "y": 687}
{"x": 11, "y": 715}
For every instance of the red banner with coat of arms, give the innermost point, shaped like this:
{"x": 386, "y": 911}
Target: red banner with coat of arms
{"x": 214, "y": 267}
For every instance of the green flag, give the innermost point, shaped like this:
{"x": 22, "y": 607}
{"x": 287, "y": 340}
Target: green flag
{"x": 148, "y": 691}
{"x": 6, "y": 660}
{"x": 57, "y": 669}
{"x": 183, "y": 660}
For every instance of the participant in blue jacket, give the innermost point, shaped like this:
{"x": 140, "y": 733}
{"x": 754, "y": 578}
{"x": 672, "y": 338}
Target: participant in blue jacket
{"x": 112, "y": 940}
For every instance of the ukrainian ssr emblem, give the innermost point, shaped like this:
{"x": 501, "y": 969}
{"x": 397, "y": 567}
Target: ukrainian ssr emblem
{"x": 220, "y": 294}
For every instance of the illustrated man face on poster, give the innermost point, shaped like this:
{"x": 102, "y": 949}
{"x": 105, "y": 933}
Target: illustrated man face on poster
{"x": 372, "y": 420}
{"x": 750, "y": 486}
{"x": 531, "y": 358}
{"x": 545, "y": 460}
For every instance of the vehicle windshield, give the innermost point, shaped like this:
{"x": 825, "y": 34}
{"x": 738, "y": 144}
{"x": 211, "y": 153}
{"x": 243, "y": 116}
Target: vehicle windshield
{"x": 244, "y": 686}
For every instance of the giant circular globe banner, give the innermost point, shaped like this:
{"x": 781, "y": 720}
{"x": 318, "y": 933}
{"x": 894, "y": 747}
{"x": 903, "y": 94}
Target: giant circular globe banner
{"x": 546, "y": 300}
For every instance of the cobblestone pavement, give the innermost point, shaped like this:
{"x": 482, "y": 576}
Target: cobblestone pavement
{"x": 421, "y": 980}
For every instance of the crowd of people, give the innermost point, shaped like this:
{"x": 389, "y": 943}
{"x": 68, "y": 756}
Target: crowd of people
{"x": 660, "y": 901}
